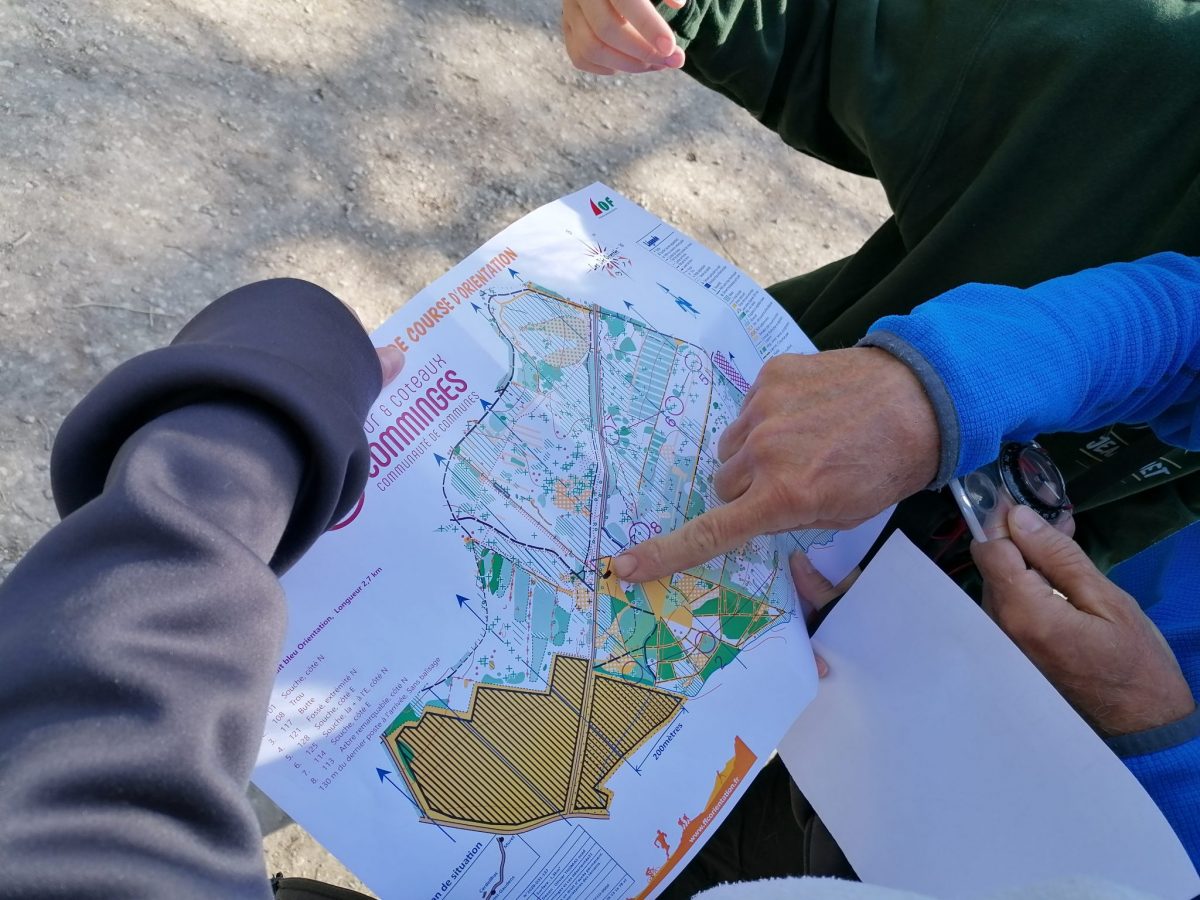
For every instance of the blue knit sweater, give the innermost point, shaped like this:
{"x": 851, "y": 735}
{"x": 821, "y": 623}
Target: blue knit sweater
{"x": 1119, "y": 343}
{"x": 1166, "y": 581}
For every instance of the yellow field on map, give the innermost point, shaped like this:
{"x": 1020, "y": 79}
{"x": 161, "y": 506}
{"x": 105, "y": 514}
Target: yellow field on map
{"x": 528, "y": 756}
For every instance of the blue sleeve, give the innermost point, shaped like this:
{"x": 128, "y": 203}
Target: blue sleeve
{"x": 1172, "y": 779}
{"x": 1166, "y": 580}
{"x": 1120, "y": 343}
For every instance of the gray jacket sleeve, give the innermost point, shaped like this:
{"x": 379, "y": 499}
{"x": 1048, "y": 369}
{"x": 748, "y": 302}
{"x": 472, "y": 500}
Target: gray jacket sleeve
{"x": 138, "y": 636}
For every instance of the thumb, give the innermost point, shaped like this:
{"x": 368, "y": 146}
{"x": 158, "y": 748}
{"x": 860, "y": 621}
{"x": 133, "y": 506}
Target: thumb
{"x": 391, "y": 361}
{"x": 813, "y": 589}
{"x": 1020, "y": 600}
{"x": 1011, "y": 590}
{"x": 1057, "y": 557}
{"x": 811, "y": 586}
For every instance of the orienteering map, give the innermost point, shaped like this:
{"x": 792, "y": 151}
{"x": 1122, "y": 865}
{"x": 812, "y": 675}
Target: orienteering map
{"x": 562, "y": 399}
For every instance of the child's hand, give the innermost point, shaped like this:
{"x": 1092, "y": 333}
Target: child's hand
{"x": 609, "y": 36}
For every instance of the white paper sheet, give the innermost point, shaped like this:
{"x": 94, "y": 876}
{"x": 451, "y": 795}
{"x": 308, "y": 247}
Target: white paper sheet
{"x": 943, "y": 762}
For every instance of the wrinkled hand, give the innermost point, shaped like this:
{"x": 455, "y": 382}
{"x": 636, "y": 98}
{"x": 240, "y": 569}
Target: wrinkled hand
{"x": 1087, "y": 636}
{"x": 823, "y": 440}
{"x": 609, "y": 36}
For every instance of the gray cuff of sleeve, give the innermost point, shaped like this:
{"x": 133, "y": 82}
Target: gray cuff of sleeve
{"x": 287, "y": 344}
{"x": 935, "y": 389}
{"x": 1154, "y": 740}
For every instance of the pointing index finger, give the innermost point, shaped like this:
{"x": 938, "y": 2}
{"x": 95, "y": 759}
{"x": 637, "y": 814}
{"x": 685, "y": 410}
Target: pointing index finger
{"x": 708, "y": 535}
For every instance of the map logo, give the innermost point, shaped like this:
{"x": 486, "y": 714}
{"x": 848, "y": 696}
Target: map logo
{"x": 601, "y": 208}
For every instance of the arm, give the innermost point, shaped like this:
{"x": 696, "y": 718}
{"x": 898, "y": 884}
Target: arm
{"x": 773, "y": 59}
{"x": 1120, "y": 343}
{"x": 139, "y": 634}
{"x": 1171, "y": 776}
{"x": 830, "y": 439}
{"x": 609, "y": 36}
{"x": 1133, "y": 682}
{"x": 1167, "y": 761}
{"x": 865, "y": 85}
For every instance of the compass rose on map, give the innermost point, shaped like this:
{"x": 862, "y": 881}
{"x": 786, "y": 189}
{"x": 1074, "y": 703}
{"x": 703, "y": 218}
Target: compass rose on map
{"x": 603, "y": 259}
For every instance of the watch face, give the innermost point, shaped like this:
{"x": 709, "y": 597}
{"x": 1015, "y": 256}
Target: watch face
{"x": 1033, "y": 478}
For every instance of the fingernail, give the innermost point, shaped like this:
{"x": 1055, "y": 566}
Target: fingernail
{"x": 675, "y": 60}
{"x": 624, "y": 565}
{"x": 665, "y": 45}
{"x": 391, "y": 360}
{"x": 822, "y": 668}
{"x": 1026, "y": 520}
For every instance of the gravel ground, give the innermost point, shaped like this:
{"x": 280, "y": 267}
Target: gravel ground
{"x": 157, "y": 154}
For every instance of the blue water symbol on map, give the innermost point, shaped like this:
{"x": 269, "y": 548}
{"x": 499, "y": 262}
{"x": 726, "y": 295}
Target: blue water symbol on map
{"x": 683, "y": 304}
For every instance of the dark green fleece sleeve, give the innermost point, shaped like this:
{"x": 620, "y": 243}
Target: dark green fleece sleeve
{"x": 866, "y": 85}
{"x": 1017, "y": 142}
{"x": 1027, "y": 140}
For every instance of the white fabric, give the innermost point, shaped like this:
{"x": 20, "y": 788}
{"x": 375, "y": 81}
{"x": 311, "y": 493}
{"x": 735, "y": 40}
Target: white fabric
{"x": 836, "y": 889}
{"x": 804, "y": 889}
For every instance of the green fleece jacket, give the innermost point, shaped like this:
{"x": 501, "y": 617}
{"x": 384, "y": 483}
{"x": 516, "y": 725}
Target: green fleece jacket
{"x": 1016, "y": 141}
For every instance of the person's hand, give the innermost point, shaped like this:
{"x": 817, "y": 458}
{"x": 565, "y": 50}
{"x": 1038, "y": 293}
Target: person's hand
{"x": 609, "y": 36}
{"x": 391, "y": 357}
{"x": 1087, "y": 636}
{"x": 824, "y": 440}
{"x": 815, "y": 592}
{"x": 813, "y": 589}
{"x": 391, "y": 361}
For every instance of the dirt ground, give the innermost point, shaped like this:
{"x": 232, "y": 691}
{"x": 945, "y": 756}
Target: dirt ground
{"x": 157, "y": 154}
